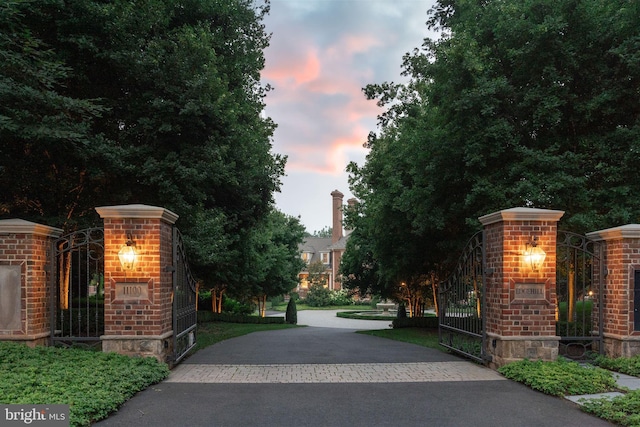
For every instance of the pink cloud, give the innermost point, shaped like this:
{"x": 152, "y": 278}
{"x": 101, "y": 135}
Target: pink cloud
{"x": 351, "y": 44}
{"x": 330, "y": 154}
{"x": 288, "y": 70}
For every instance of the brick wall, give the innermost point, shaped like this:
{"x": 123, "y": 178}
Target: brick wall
{"x": 25, "y": 250}
{"x": 622, "y": 259}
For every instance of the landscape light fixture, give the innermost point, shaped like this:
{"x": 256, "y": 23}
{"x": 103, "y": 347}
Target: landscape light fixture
{"x": 533, "y": 254}
{"x": 127, "y": 254}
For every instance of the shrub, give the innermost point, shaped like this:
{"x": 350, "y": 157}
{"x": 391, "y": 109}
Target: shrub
{"x": 340, "y": 297}
{"x": 291, "y": 316}
{"x": 276, "y": 300}
{"x": 402, "y": 312}
{"x": 208, "y": 316}
{"x": 318, "y": 296}
{"x": 429, "y": 322}
{"x": 230, "y": 305}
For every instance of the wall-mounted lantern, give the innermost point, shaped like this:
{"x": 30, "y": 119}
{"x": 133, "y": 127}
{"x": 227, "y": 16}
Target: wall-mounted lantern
{"x": 127, "y": 254}
{"x": 533, "y": 254}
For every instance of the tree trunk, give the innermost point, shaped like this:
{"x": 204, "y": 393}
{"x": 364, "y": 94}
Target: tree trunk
{"x": 64, "y": 271}
{"x": 571, "y": 294}
{"x": 434, "y": 291}
{"x": 216, "y": 298}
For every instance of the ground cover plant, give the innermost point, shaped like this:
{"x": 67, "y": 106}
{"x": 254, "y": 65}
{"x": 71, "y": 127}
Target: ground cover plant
{"x": 623, "y": 410}
{"x": 624, "y": 365}
{"x": 94, "y": 384}
{"x": 561, "y": 377}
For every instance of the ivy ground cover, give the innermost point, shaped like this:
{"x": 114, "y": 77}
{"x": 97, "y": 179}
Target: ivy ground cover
{"x": 93, "y": 384}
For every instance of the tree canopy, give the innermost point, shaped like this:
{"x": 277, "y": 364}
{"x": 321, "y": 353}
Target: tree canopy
{"x": 156, "y": 102}
{"x": 530, "y": 103}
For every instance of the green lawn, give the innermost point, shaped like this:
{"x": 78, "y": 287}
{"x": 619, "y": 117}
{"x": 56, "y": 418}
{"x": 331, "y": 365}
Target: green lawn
{"x": 423, "y": 337}
{"x": 211, "y": 333}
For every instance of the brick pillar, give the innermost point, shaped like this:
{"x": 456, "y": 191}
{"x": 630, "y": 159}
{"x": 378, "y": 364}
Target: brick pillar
{"x": 622, "y": 259}
{"x": 25, "y": 251}
{"x": 520, "y": 304}
{"x": 138, "y": 303}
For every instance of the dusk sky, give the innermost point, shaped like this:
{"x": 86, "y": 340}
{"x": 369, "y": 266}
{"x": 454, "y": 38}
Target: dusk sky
{"x": 322, "y": 53}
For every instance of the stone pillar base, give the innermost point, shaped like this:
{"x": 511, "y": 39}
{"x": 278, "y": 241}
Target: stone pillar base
{"x": 30, "y": 340}
{"x": 158, "y": 346}
{"x": 504, "y": 350}
{"x": 621, "y": 346}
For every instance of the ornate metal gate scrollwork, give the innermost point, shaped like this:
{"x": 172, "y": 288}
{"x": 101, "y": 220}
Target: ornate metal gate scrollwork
{"x": 184, "y": 301}
{"x": 461, "y": 304}
{"x": 579, "y": 289}
{"x": 77, "y": 291}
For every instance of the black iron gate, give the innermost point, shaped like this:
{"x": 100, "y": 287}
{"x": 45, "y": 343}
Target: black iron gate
{"x": 184, "y": 301}
{"x": 77, "y": 291}
{"x": 579, "y": 289}
{"x": 461, "y": 304}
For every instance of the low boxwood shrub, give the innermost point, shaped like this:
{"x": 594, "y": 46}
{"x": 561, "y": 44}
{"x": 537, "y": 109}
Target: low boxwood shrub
{"x": 208, "y": 316}
{"x": 430, "y": 322}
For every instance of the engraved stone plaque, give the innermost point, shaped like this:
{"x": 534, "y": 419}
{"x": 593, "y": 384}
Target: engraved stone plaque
{"x": 132, "y": 291}
{"x": 10, "y": 297}
{"x": 529, "y": 291}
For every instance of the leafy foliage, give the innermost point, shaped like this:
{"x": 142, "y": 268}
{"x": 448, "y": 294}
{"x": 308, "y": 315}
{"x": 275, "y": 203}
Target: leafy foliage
{"x": 530, "y": 103}
{"x": 622, "y": 410}
{"x": 156, "y": 102}
{"x": 318, "y": 296}
{"x": 560, "y": 378}
{"x": 624, "y": 365}
{"x": 93, "y": 384}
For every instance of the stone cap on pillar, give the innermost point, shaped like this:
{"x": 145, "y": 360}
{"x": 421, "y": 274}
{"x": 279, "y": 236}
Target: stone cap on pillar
{"x": 20, "y": 226}
{"x": 137, "y": 211}
{"x": 521, "y": 214}
{"x": 629, "y": 231}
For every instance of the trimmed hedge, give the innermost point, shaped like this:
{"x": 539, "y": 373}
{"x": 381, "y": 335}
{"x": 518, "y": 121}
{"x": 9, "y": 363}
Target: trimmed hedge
{"x": 208, "y": 316}
{"x": 430, "y": 322}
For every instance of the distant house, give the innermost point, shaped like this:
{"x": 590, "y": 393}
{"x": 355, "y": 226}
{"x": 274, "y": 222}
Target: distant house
{"x": 325, "y": 251}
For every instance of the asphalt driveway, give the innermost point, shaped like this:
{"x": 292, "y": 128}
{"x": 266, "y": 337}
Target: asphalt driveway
{"x": 332, "y": 376}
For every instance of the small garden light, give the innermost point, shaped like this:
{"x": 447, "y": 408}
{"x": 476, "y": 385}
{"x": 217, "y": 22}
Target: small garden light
{"x": 127, "y": 254}
{"x": 533, "y": 254}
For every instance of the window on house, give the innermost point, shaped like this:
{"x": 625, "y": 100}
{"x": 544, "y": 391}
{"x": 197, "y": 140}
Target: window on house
{"x": 324, "y": 257}
{"x": 306, "y": 257}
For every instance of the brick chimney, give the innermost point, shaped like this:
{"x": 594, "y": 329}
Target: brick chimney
{"x": 336, "y": 233}
{"x": 352, "y": 204}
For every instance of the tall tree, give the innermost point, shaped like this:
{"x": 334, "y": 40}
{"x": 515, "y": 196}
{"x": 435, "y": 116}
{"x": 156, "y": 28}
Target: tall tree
{"x": 176, "y": 120}
{"x": 47, "y": 145}
{"x": 530, "y": 103}
{"x": 272, "y": 259}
